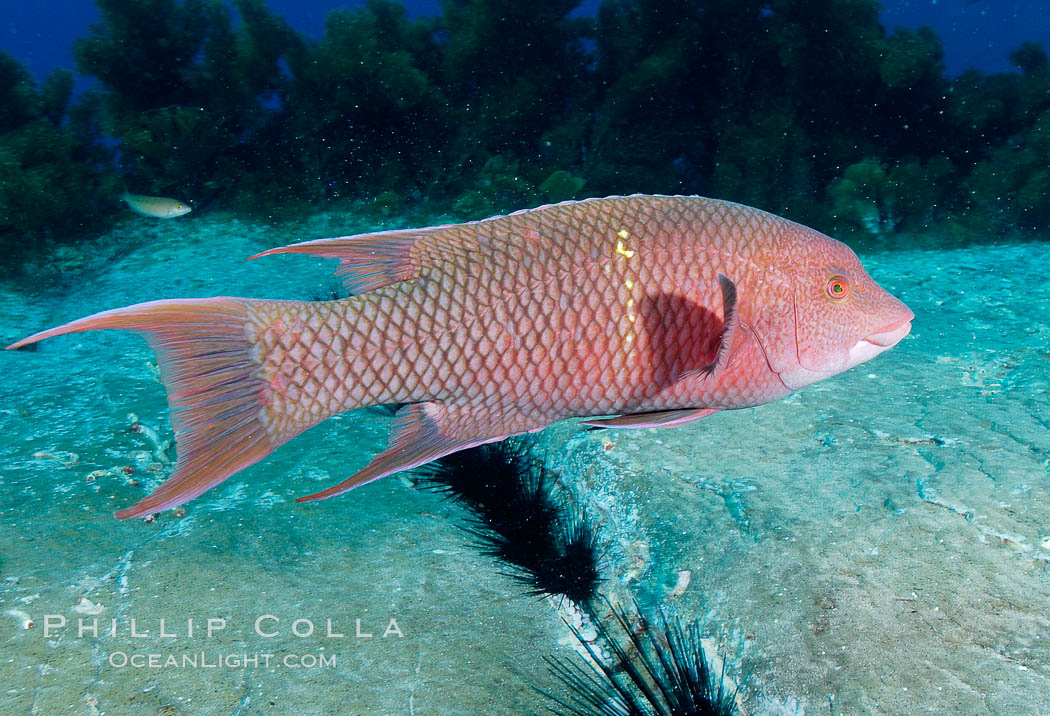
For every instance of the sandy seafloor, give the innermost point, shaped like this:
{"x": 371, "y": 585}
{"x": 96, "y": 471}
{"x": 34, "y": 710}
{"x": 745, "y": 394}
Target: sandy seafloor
{"x": 878, "y": 543}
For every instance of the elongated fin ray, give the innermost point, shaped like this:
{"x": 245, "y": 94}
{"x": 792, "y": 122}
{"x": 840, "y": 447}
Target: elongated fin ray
{"x": 207, "y": 369}
{"x": 661, "y": 419}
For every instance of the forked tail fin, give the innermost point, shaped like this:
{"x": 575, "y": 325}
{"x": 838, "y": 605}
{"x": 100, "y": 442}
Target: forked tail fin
{"x": 215, "y": 395}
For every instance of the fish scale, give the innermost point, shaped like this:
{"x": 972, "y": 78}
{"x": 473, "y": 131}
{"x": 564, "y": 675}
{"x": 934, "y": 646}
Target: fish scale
{"x": 424, "y": 339}
{"x": 658, "y": 310}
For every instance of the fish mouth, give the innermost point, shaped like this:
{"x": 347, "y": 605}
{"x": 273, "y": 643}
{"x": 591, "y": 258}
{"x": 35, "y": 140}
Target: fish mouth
{"x": 890, "y": 335}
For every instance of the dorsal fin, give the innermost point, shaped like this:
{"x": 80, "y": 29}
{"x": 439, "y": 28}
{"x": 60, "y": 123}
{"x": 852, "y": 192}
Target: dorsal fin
{"x": 373, "y": 260}
{"x": 368, "y": 261}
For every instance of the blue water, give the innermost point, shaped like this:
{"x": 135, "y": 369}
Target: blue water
{"x": 975, "y": 33}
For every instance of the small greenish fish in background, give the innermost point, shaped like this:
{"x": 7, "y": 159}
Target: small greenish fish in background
{"x": 158, "y": 207}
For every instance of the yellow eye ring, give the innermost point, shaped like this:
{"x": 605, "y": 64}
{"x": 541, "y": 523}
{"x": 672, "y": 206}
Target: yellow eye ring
{"x": 838, "y": 288}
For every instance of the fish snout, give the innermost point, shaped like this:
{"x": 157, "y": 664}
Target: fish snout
{"x": 890, "y": 335}
{"x": 895, "y": 329}
{"x": 882, "y": 339}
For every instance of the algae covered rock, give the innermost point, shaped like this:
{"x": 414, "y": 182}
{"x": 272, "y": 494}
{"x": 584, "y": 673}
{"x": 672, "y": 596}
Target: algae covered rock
{"x": 53, "y": 171}
{"x": 880, "y": 199}
{"x": 561, "y": 185}
{"x": 18, "y": 97}
{"x": 185, "y": 91}
{"x": 364, "y": 109}
{"x": 1013, "y": 186}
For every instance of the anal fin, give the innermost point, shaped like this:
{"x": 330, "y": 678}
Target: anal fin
{"x": 415, "y": 439}
{"x": 661, "y": 419}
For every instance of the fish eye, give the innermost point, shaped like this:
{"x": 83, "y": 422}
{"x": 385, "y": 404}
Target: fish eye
{"x": 838, "y": 288}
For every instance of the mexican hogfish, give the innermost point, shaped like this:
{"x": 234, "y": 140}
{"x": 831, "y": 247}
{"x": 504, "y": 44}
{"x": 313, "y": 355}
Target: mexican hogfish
{"x": 655, "y": 310}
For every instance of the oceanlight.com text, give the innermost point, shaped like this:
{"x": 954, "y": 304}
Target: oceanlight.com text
{"x": 219, "y": 660}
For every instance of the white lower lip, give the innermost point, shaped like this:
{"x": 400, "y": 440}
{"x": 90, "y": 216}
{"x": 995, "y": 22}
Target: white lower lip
{"x": 863, "y": 351}
{"x": 867, "y": 348}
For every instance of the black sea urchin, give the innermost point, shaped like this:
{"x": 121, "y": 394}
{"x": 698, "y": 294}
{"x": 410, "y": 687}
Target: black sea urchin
{"x": 520, "y": 519}
{"x": 657, "y": 669}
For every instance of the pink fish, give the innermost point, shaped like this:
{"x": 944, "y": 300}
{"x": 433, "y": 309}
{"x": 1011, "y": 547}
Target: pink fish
{"x": 657, "y": 310}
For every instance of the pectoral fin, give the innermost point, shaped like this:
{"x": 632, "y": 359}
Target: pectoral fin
{"x": 662, "y": 419}
{"x": 730, "y": 325}
{"x": 416, "y": 438}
